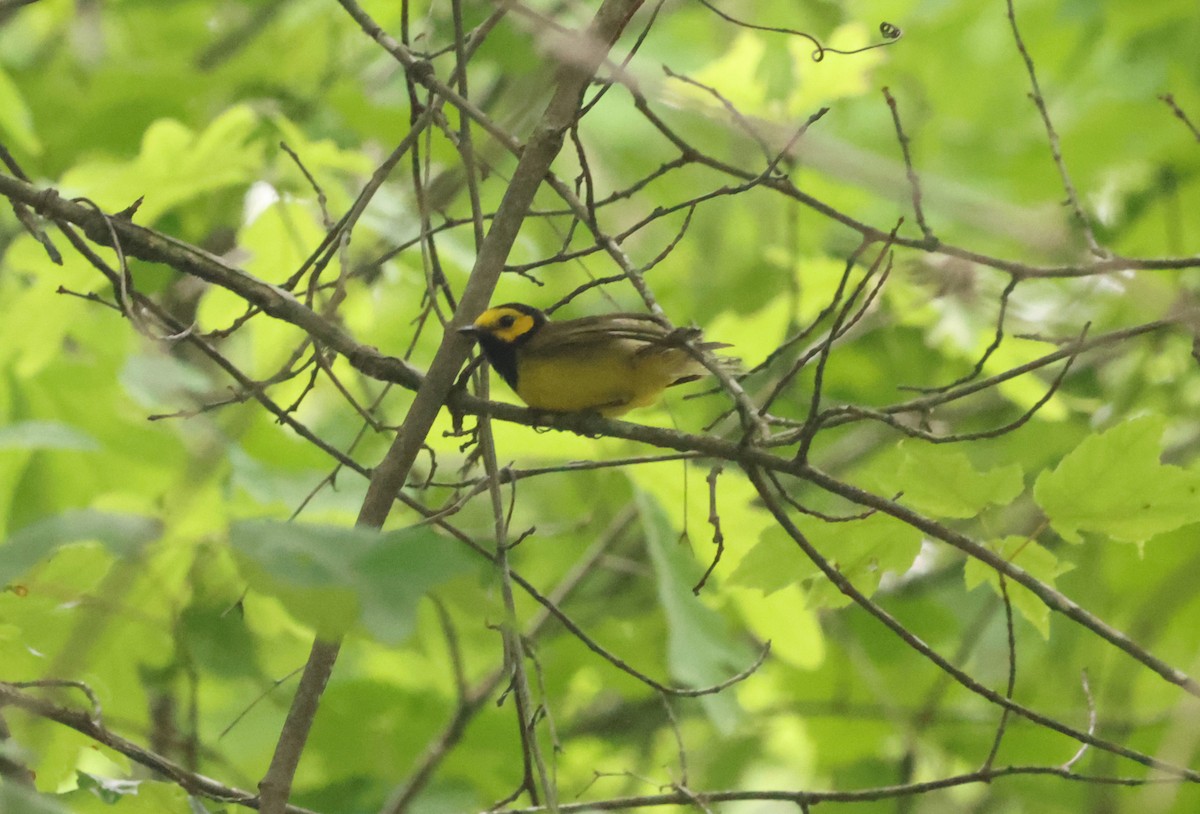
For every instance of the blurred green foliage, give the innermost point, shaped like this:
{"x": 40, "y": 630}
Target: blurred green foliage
{"x": 150, "y": 558}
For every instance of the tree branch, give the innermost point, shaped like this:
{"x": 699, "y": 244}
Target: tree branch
{"x": 389, "y": 476}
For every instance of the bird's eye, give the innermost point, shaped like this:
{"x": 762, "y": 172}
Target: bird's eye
{"x": 507, "y": 321}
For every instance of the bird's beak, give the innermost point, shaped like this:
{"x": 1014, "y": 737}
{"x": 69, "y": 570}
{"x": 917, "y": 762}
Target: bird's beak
{"x": 470, "y": 331}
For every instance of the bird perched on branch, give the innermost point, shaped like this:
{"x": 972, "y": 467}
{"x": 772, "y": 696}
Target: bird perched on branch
{"x": 610, "y": 363}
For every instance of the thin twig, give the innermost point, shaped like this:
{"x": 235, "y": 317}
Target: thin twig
{"x": 1052, "y": 138}
{"x": 714, "y": 519}
{"x": 990, "y": 760}
{"x": 914, "y": 181}
{"x": 997, "y": 339}
{"x": 1091, "y": 704}
{"x": 83, "y": 723}
{"x": 1169, "y": 100}
{"x": 514, "y": 646}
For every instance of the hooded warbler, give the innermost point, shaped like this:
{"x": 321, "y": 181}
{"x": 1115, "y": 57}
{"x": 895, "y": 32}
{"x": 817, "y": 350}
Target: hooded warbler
{"x": 610, "y": 363}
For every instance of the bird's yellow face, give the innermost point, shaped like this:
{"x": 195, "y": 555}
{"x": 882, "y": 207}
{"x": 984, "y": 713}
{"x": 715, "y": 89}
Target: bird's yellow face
{"x": 506, "y": 323}
{"x": 501, "y": 330}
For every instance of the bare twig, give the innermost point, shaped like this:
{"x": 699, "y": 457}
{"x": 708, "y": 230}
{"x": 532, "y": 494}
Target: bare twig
{"x": 914, "y": 181}
{"x": 679, "y": 797}
{"x": 997, "y": 338}
{"x": 514, "y": 645}
{"x": 714, "y": 519}
{"x": 1169, "y": 100}
{"x": 27, "y": 218}
{"x": 1052, "y": 137}
{"x": 83, "y": 687}
{"x": 84, "y": 723}
{"x": 1091, "y": 704}
{"x": 473, "y": 699}
{"x": 990, "y": 760}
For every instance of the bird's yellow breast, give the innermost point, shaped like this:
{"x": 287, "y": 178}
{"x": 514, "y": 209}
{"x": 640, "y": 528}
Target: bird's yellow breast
{"x": 611, "y": 378}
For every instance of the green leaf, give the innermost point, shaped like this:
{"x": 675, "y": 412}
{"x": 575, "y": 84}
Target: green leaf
{"x": 157, "y": 380}
{"x": 16, "y": 122}
{"x": 394, "y": 575}
{"x": 701, "y": 651}
{"x": 218, "y": 639}
{"x": 862, "y": 550}
{"x": 331, "y": 577}
{"x": 176, "y": 164}
{"x": 99, "y": 795}
{"x": 122, "y": 534}
{"x": 786, "y": 619}
{"x": 1113, "y": 484}
{"x": 944, "y": 483}
{"x": 774, "y": 562}
{"x": 108, "y": 789}
{"x": 19, "y": 800}
{"x": 1035, "y": 559}
{"x": 45, "y": 435}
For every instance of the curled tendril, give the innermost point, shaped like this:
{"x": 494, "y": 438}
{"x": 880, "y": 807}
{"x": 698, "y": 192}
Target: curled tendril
{"x": 890, "y": 33}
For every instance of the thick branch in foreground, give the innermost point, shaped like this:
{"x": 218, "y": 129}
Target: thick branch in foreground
{"x": 389, "y": 476}
{"x": 531, "y": 170}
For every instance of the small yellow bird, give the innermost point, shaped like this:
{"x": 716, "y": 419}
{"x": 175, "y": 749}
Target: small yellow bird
{"x": 610, "y": 363}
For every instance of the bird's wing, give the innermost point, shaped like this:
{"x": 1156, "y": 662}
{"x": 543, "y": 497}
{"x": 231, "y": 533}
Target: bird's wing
{"x": 641, "y": 333}
{"x": 606, "y": 328}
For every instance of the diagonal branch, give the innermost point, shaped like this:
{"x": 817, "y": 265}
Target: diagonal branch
{"x": 763, "y": 487}
{"x": 389, "y": 476}
{"x": 85, "y": 723}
